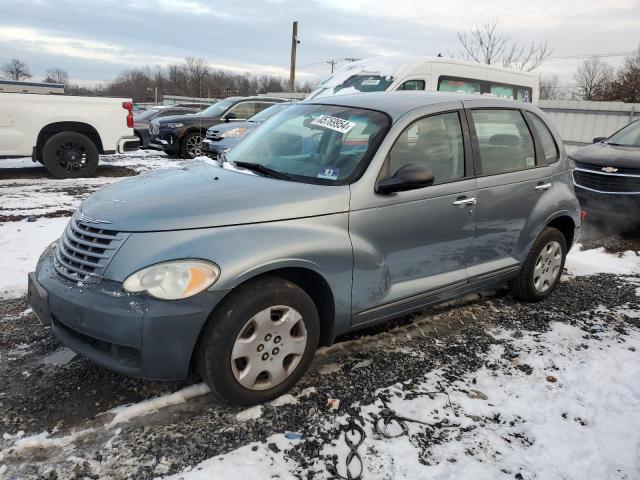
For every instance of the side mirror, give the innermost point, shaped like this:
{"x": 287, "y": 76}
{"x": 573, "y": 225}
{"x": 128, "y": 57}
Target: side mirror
{"x": 409, "y": 177}
{"x": 230, "y": 116}
{"x": 599, "y": 139}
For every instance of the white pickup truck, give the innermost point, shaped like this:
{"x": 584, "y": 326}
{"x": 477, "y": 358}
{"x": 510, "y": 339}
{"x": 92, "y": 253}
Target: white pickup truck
{"x": 65, "y": 133}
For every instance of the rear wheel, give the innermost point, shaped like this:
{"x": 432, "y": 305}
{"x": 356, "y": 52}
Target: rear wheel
{"x": 191, "y": 145}
{"x": 542, "y": 268}
{"x": 70, "y": 155}
{"x": 259, "y": 341}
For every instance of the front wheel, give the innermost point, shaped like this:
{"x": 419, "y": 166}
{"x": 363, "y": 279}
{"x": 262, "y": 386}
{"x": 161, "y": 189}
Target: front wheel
{"x": 191, "y": 145}
{"x": 259, "y": 341}
{"x": 542, "y": 268}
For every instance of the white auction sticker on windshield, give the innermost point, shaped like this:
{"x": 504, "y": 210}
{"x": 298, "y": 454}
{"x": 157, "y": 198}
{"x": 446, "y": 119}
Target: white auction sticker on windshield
{"x": 329, "y": 173}
{"x": 371, "y": 81}
{"x": 333, "y": 123}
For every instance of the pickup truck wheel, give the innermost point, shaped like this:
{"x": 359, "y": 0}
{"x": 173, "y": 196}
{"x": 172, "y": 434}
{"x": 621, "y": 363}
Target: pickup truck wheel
{"x": 191, "y": 145}
{"x": 70, "y": 155}
{"x": 542, "y": 268}
{"x": 258, "y": 342}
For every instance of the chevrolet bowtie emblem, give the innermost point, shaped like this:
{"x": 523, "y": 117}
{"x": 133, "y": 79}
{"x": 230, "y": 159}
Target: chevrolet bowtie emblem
{"x": 87, "y": 219}
{"x": 609, "y": 169}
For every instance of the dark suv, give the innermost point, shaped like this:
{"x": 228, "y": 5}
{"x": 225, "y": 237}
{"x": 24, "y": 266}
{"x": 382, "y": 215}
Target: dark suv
{"x": 182, "y": 134}
{"x": 142, "y": 120}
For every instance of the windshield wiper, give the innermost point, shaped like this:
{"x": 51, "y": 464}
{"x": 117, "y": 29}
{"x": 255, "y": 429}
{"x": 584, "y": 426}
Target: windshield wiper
{"x": 266, "y": 171}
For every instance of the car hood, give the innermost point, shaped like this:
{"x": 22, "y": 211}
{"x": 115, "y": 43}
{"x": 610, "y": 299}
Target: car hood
{"x": 224, "y": 127}
{"x": 606, "y": 155}
{"x": 202, "y": 195}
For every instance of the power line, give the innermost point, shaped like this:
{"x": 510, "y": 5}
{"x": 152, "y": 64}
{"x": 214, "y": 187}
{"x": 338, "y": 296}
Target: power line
{"x": 588, "y": 55}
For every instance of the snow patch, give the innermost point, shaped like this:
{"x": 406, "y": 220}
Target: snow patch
{"x": 252, "y": 413}
{"x": 598, "y": 260}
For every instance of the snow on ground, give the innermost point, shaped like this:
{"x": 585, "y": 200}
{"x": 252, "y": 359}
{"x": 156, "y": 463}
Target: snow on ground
{"x": 21, "y": 243}
{"x": 569, "y": 414}
{"x": 597, "y": 260}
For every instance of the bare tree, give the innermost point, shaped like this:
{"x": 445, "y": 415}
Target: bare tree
{"x": 57, "y": 75}
{"x": 593, "y": 80}
{"x": 15, "y": 70}
{"x": 626, "y": 87}
{"x": 485, "y": 44}
{"x": 550, "y": 88}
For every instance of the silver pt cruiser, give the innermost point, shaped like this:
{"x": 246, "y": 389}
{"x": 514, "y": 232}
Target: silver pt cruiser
{"x": 332, "y": 216}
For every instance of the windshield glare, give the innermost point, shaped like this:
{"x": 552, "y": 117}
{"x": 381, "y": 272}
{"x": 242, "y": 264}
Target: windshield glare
{"x": 146, "y": 114}
{"x": 354, "y": 84}
{"x": 629, "y": 136}
{"x": 217, "y": 109}
{"x": 315, "y": 143}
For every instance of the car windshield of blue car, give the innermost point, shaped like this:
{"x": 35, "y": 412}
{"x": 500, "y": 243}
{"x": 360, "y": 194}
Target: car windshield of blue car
{"x": 217, "y": 109}
{"x": 629, "y": 136}
{"x": 268, "y": 112}
{"x": 324, "y": 144}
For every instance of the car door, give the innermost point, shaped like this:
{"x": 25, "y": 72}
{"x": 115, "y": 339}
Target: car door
{"x": 412, "y": 246}
{"x": 513, "y": 176}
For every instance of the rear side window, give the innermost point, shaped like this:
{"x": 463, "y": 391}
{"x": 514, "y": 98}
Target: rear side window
{"x": 549, "y": 147}
{"x": 435, "y": 142}
{"x": 459, "y": 86}
{"x": 412, "y": 85}
{"x": 504, "y": 140}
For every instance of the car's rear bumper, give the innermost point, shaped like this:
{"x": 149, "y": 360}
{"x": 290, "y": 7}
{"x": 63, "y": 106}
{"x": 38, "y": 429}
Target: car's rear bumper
{"x": 128, "y": 144}
{"x": 132, "y": 334}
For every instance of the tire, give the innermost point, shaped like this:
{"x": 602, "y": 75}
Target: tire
{"x": 190, "y": 147}
{"x": 70, "y": 155}
{"x": 259, "y": 317}
{"x": 542, "y": 268}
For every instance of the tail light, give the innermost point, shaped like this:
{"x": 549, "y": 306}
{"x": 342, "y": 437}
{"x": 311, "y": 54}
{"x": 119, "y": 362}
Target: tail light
{"x": 583, "y": 215}
{"x": 128, "y": 106}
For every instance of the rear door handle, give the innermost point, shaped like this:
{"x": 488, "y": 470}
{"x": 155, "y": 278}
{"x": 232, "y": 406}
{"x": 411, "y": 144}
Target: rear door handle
{"x": 462, "y": 201}
{"x": 543, "y": 186}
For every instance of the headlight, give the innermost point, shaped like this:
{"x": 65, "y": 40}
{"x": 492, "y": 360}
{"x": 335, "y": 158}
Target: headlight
{"x": 236, "y": 132}
{"x": 173, "y": 280}
{"x": 175, "y": 125}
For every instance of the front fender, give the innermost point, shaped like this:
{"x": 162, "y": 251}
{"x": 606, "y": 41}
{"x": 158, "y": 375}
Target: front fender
{"x": 242, "y": 252}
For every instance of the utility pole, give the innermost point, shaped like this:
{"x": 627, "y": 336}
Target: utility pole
{"x": 333, "y": 64}
{"x": 294, "y": 45}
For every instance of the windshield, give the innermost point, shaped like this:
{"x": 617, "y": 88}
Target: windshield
{"x": 354, "y": 84}
{"x": 267, "y": 112}
{"x": 218, "y": 108}
{"x": 323, "y": 144}
{"x": 629, "y": 136}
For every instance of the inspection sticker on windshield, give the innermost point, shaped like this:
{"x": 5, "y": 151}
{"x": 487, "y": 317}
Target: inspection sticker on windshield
{"x": 371, "y": 81}
{"x": 329, "y": 173}
{"x": 334, "y": 123}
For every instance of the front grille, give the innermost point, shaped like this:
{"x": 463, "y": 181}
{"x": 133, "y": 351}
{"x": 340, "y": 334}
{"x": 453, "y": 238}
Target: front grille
{"x": 84, "y": 252}
{"x": 606, "y": 183}
{"x": 154, "y": 128}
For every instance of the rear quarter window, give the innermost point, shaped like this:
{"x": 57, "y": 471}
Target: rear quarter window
{"x": 548, "y": 144}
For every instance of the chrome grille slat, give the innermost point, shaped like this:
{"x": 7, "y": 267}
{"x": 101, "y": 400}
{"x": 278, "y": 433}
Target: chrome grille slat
{"x": 84, "y": 251}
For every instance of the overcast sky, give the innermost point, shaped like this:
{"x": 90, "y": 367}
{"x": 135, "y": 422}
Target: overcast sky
{"x": 95, "y": 39}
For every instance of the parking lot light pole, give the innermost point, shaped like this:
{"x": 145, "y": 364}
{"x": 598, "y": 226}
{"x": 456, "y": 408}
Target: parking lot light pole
{"x": 294, "y": 45}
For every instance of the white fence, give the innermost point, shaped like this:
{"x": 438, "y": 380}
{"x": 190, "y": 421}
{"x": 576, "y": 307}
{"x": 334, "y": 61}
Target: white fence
{"x": 579, "y": 122}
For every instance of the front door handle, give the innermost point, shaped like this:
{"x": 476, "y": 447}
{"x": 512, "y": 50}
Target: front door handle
{"x": 542, "y": 186}
{"x": 462, "y": 201}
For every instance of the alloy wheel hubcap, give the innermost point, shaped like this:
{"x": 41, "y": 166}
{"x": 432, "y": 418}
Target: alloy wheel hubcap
{"x": 194, "y": 146}
{"x": 268, "y": 348}
{"x": 547, "y": 268}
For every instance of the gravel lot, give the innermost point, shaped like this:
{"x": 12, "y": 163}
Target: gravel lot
{"x": 63, "y": 418}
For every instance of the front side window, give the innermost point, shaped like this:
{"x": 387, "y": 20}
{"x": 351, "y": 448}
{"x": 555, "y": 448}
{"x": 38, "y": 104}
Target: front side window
{"x": 435, "y": 142}
{"x": 504, "y": 141}
{"x": 324, "y": 144}
{"x": 629, "y": 136}
{"x": 218, "y": 108}
{"x": 549, "y": 147}
{"x": 412, "y": 85}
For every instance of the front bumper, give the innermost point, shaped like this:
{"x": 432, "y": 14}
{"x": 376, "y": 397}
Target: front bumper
{"x": 609, "y": 206}
{"x": 214, "y": 148}
{"x": 128, "y": 144}
{"x": 132, "y": 334}
{"x": 167, "y": 141}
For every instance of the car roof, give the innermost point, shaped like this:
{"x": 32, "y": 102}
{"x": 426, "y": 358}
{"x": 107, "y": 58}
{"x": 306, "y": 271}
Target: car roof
{"x": 397, "y": 103}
